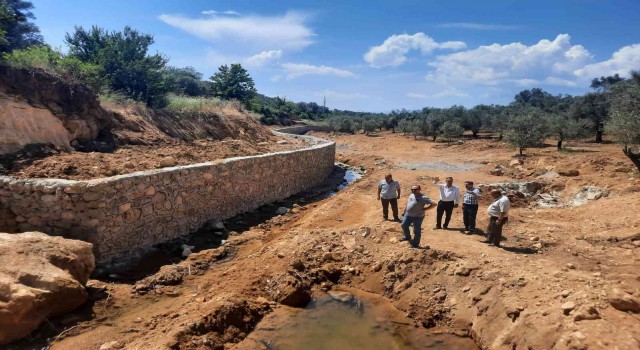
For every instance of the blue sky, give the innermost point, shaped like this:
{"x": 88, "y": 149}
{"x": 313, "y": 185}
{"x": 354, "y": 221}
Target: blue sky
{"x": 380, "y": 55}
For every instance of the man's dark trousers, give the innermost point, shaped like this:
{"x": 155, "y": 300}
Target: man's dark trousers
{"x": 444, "y": 207}
{"x": 469, "y": 213}
{"x": 394, "y": 208}
{"x": 495, "y": 231}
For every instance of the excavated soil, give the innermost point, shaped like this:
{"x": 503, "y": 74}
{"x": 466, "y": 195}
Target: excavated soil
{"x": 565, "y": 277}
{"x": 131, "y": 158}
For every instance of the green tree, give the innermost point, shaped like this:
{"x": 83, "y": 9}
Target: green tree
{"x": 16, "y": 32}
{"x": 369, "y": 125}
{"x": 451, "y": 129}
{"x": 126, "y": 66}
{"x": 526, "y": 130}
{"x": 473, "y": 119}
{"x": 624, "y": 124}
{"x": 563, "y": 127}
{"x": 184, "y": 81}
{"x": 233, "y": 83}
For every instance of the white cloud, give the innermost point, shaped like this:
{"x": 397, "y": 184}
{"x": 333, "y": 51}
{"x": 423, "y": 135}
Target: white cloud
{"x": 560, "y": 82}
{"x": 295, "y": 70}
{"x": 512, "y": 63}
{"x": 450, "y": 92}
{"x": 214, "y": 12}
{"x": 393, "y": 51}
{"x": 280, "y": 32}
{"x": 621, "y": 62}
{"x": 417, "y": 95}
{"x": 477, "y": 26}
{"x": 341, "y": 96}
{"x": 263, "y": 57}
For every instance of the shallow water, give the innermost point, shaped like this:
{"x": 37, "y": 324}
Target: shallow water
{"x": 328, "y": 325}
{"x": 350, "y": 176}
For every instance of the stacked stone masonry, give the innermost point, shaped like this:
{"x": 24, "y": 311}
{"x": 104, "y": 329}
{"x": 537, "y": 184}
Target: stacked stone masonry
{"x": 122, "y": 214}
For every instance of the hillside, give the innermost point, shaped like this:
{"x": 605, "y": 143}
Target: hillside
{"x": 49, "y": 124}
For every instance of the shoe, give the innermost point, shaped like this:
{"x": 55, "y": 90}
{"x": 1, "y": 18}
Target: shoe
{"x": 403, "y": 239}
{"x": 414, "y": 246}
{"x": 385, "y": 219}
{"x": 463, "y": 230}
{"x": 396, "y": 219}
{"x": 437, "y": 228}
{"x": 486, "y": 241}
{"x": 467, "y": 232}
{"x": 494, "y": 245}
{"x": 445, "y": 227}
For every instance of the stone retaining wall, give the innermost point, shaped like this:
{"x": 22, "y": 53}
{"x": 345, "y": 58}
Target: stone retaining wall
{"x": 123, "y": 213}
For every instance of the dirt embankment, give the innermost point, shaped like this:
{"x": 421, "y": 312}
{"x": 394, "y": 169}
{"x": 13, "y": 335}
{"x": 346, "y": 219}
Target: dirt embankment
{"x": 565, "y": 277}
{"x": 48, "y": 127}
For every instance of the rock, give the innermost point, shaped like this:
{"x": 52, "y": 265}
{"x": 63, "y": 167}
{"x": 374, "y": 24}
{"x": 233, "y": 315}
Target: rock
{"x": 565, "y": 293}
{"x": 41, "y": 276}
{"x": 534, "y": 238}
{"x": 377, "y": 267}
{"x": 344, "y": 297}
{"x": 168, "y": 162}
{"x": 537, "y": 245}
{"x": 571, "y": 266}
{"x": 366, "y": 232}
{"x": 549, "y": 175}
{"x": 214, "y": 225}
{"x": 496, "y": 172}
{"x": 280, "y": 255}
{"x": 586, "y": 312}
{"x": 263, "y": 143}
{"x": 187, "y": 250}
{"x": 262, "y": 300}
{"x": 110, "y": 345}
{"x": 462, "y": 271}
{"x": 281, "y": 211}
{"x": 290, "y": 290}
{"x": 568, "y": 307}
{"x": 516, "y": 162}
{"x": 623, "y": 301}
{"x": 298, "y": 265}
{"x": 393, "y": 240}
{"x": 594, "y": 195}
{"x": 571, "y": 172}
{"x": 282, "y": 142}
{"x": 129, "y": 165}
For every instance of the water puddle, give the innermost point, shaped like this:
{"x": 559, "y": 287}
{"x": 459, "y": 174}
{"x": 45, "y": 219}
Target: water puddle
{"x": 367, "y": 322}
{"x": 350, "y": 176}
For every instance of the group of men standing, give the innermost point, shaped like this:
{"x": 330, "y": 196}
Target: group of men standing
{"x": 389, "y": 192}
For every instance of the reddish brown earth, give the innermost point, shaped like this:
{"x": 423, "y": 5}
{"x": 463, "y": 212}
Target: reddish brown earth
{"x": 132, "y": 158}
{"x": 585, "y": 258}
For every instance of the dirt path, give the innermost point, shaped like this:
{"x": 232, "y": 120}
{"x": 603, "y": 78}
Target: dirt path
{"x": 509, "y": 298}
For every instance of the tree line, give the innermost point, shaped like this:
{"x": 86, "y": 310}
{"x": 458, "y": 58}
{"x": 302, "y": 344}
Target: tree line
{"x": 120, "y": 62}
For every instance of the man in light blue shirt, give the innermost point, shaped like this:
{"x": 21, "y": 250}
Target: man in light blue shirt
{"x": 414, "y": 215}
{"x": 389, "y": 193}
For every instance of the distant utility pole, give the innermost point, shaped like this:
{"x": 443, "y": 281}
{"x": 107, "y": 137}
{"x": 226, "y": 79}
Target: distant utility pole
{"x": 324, "y": 102}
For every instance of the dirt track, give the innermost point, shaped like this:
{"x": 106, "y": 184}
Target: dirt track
{"x": 507, "y": 298}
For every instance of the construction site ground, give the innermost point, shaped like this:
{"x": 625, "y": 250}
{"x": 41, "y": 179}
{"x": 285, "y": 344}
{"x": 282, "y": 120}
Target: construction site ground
{"x": 550, "y": 285}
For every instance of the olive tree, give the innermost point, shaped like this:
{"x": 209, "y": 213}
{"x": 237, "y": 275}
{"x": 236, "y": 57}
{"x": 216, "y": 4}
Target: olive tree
{"x": 624, "y": 123}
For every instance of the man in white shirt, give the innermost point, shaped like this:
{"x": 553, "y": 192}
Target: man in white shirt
{"x": 388, "y": 193}
{"x": 449, "y": 197}
{"x": 498, "y": 212}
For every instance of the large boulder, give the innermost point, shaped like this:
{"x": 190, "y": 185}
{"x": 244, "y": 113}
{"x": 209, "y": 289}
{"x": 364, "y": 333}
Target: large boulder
{"x": 41, "y": 276}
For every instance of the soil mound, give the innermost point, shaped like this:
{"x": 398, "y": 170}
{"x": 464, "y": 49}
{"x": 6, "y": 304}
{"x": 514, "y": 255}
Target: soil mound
{"x": 48, "y": 125}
